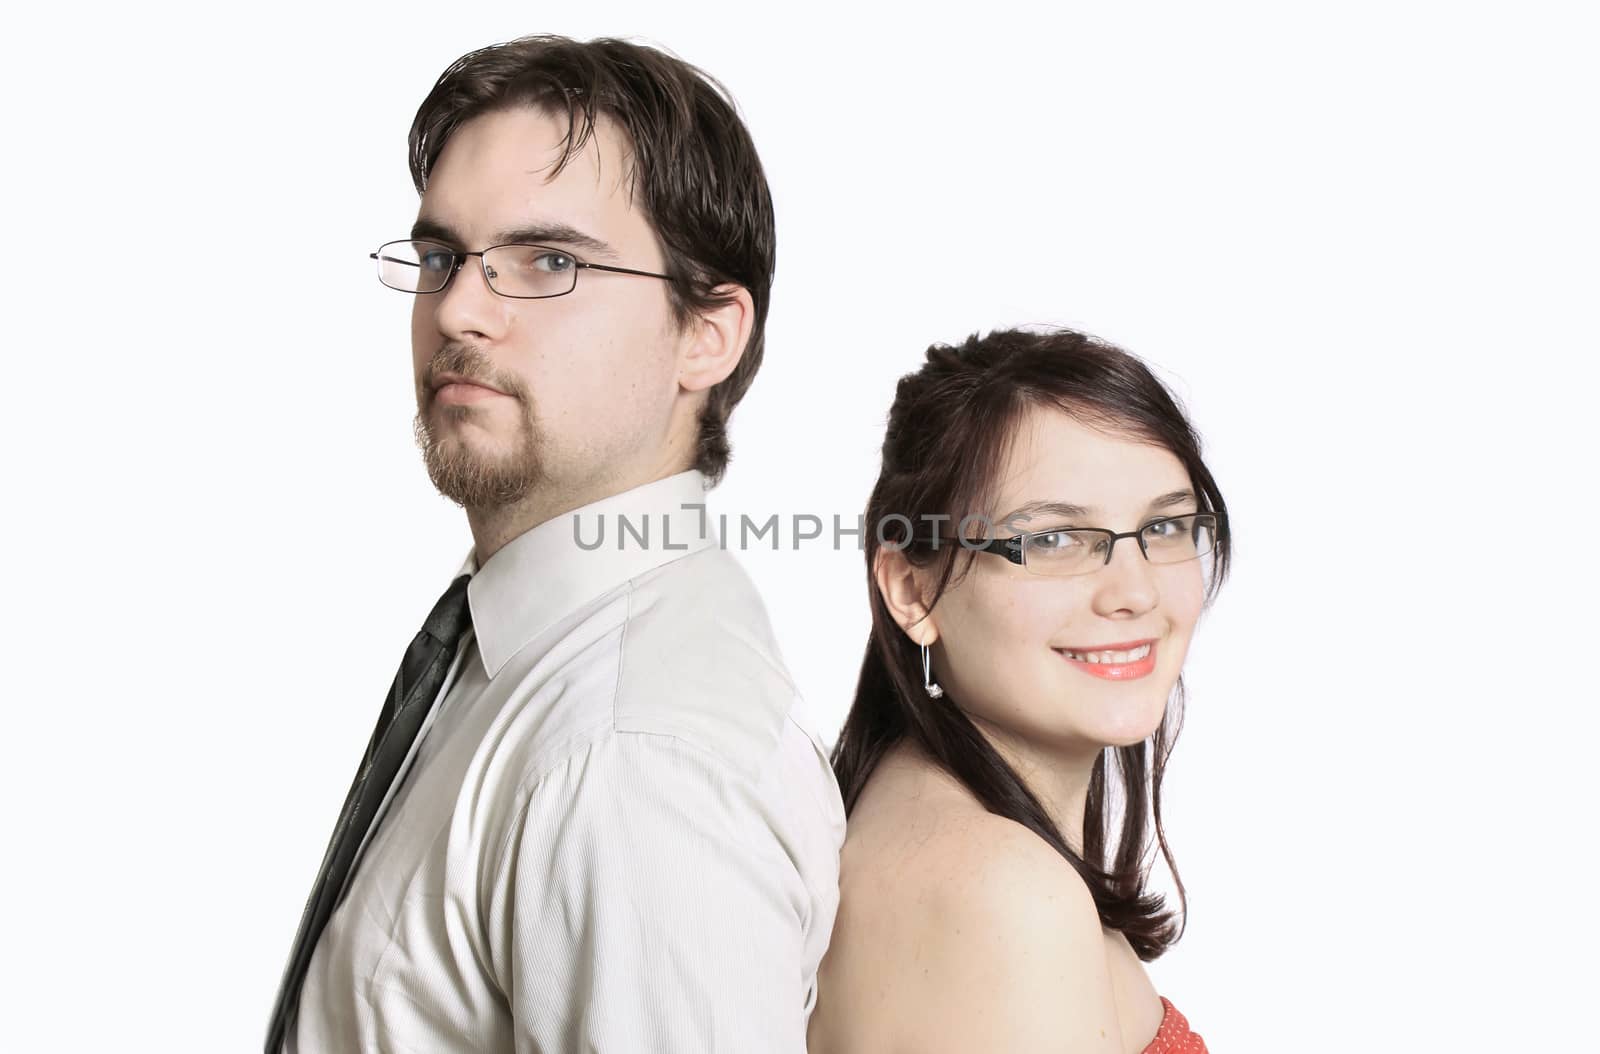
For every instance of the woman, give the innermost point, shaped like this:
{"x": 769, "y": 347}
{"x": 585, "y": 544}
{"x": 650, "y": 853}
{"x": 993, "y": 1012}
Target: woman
{"x": 1040, "y": 543}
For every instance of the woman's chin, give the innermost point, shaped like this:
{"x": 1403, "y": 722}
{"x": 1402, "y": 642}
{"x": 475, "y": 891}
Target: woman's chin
{"x": 1130, "y": 723}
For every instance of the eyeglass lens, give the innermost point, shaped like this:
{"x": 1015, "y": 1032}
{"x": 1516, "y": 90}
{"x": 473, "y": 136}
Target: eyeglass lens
{"x": 512, "y": 270}
{"x": 1072, "y": 552}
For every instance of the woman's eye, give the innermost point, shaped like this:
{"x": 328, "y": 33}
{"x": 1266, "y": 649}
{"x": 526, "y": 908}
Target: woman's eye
{"x": 1055, "y": 541}
{"x": 1169, "y": 530}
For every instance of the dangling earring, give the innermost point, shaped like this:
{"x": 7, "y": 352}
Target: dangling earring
{"x": 933, "y": 690}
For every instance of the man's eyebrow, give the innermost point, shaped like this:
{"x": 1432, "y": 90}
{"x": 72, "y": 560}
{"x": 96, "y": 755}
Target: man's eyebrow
{"x": 435, "y": 231}
{"x": 559, "y": 234}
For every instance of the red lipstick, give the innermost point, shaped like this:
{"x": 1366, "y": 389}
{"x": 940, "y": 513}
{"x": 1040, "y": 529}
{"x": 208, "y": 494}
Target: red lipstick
{"x": 1113, "y": 671}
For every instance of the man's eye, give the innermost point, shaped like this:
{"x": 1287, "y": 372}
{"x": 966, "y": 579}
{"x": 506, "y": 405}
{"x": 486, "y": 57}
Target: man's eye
{"x": 436, "y": 261}
{"x": 551, "y": 262}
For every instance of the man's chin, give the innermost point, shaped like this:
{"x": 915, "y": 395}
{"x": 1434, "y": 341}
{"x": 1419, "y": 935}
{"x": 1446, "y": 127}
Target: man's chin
{"x": 466, "y": 467}
{"x": 474, "y": 492}
{"x": 476, "y": 482}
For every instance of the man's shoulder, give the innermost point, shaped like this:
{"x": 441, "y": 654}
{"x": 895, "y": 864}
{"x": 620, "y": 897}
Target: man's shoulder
{"x": 700, "y": 662}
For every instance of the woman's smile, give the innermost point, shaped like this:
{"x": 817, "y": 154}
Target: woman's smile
{"x": 1114, "y": 662}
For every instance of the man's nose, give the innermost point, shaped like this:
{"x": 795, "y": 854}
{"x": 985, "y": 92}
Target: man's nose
{"x": 467, "y": 308}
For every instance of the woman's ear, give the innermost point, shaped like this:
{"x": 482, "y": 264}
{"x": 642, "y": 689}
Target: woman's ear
{"x": 720, "y": 336}
{"x": 901, "y": 586}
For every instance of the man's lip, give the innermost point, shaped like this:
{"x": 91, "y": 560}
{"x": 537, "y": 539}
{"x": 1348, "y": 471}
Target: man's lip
{"x": 455, "y": 378}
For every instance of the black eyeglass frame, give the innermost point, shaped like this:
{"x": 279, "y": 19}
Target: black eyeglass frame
{"x": 1015, "y": 547}
{"x": 459, "y": 260}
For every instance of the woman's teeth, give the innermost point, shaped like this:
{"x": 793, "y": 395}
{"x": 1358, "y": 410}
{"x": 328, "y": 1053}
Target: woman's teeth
{"x": 1109, "y": 657}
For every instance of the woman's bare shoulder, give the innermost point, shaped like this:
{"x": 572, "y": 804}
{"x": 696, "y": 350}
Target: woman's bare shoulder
{"x": 991, "y": 939}
{"x": 976, "y": 865}
{"x": 913, "y": 816}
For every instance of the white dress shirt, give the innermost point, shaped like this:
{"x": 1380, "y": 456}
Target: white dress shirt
{"x": 618, "y": 832}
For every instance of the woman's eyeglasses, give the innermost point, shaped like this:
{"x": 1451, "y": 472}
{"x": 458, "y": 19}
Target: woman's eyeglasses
{"x": 1062, "y": 551}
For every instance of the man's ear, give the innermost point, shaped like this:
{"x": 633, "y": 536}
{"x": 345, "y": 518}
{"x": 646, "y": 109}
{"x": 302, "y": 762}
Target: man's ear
{"x": 718, "y": 340}
{"x": 900, "y": 584}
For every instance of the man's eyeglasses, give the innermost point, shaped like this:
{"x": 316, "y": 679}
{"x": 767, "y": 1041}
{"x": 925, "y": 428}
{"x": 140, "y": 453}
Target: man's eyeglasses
{"x": 522, "y": 272}
{"x": 1084, "y": 550}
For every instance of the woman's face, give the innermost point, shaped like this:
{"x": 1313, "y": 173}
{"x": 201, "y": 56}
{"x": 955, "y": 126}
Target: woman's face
{"x": 1046, "y": 661}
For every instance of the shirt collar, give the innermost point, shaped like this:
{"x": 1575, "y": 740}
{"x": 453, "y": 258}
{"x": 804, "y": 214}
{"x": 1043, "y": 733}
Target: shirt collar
{"x": 550, "y": 570}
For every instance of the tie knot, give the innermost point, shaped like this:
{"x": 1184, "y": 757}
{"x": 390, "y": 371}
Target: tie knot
{"x": 450, "y": 617}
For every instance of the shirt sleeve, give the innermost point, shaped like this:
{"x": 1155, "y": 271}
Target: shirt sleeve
{"x": 653, "y": 906}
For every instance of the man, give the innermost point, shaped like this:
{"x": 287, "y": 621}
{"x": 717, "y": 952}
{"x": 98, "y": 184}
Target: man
{"x": 592, "y": 817}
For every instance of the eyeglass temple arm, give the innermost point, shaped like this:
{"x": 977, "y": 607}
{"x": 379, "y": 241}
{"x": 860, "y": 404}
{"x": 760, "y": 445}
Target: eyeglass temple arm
{"x": 393, "y": 259}
{"x": 1010, "y": 548}
{"x": 621, "y": 270}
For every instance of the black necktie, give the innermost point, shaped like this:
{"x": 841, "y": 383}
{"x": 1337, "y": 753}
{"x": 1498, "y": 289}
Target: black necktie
{"x": 421, "y": 674}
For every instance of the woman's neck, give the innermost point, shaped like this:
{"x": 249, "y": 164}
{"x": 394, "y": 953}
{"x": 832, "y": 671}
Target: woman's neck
{"x": 1059, "y": 778}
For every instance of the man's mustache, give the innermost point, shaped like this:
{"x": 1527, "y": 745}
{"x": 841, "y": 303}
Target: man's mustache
{"x": 461, "y": 362}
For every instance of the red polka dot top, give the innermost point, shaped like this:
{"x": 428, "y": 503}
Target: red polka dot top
{"x": 1174, "y": 1037}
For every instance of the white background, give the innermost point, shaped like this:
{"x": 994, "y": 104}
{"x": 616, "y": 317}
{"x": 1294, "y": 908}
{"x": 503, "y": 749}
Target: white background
{"x": 1359, "y": 239}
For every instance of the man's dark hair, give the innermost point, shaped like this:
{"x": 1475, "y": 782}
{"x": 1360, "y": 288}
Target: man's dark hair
{"x": 694, "y": 170}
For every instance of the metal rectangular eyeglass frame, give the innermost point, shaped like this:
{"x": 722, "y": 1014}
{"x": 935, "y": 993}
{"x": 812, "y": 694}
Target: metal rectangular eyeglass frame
{"x": 459, "y": 260}
{"x": 1012, "y": 548}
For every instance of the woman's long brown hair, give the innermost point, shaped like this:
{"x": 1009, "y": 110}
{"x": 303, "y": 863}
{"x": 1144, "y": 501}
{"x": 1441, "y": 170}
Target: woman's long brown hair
{"x": 949, "y": 432}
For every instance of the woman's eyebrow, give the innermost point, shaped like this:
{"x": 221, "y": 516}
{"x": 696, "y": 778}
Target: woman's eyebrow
{"x": 1174, "y": 499}
{"x": 1041, "y": 508}
{"x": 1066, "y": 509}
